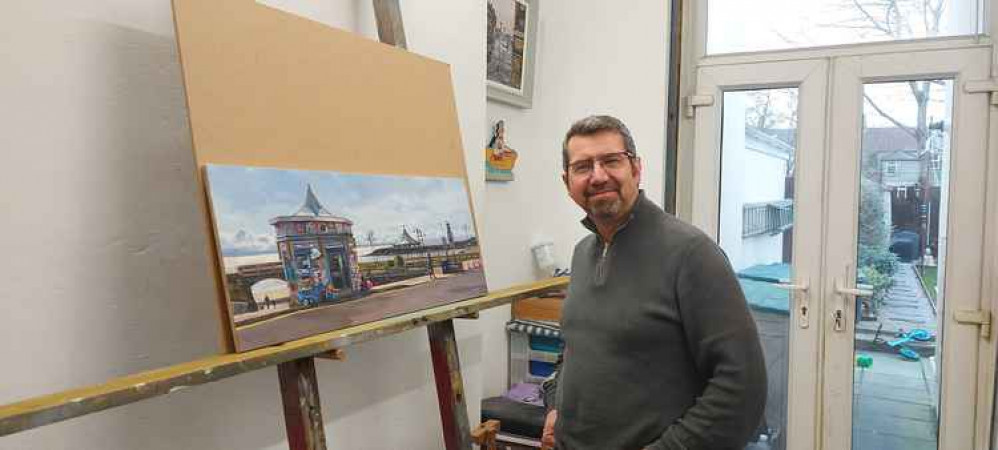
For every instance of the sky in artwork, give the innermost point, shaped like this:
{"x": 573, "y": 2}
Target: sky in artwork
{"x": 244, "y": 199}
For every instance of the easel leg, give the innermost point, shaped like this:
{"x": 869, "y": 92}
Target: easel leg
{"x": 450, "y": 388}
{"x": 302, "y": 414}
{"x": 389, "y": 18}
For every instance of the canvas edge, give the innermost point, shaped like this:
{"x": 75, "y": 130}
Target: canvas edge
{"x": 225, "y": 303}
{"x": 226, "y": 336}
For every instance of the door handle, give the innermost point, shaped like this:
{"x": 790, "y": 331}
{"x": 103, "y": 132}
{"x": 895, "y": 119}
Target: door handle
{"x": 802, "y": 301}
{"x": 794, "y": 287}
{"x": 855, "y": 292}
{"x": 839, "y": 314}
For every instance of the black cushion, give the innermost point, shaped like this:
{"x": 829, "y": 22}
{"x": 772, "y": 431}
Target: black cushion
{"x": 514, "y": 417}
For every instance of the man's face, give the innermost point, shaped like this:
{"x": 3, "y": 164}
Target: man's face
{"x": 605, "y": 193}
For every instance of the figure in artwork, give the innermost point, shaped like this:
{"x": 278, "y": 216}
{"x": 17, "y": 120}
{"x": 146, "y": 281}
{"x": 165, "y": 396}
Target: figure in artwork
{"x": 499, "y": 157}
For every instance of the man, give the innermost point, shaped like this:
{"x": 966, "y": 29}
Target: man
{"x": 660, "y": 349}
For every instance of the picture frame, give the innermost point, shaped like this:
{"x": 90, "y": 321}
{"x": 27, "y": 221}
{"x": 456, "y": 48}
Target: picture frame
{"x": 511, "y": 46}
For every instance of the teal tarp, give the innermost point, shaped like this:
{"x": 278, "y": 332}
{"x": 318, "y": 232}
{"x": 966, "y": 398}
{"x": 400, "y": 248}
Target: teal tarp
{"x": 759, "y": 285}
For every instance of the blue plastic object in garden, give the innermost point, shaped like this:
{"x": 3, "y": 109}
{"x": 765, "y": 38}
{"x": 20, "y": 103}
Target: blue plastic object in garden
{"x": 919, "y": 334}
{"x": 895, "y": 343}
{"x": 908, "y": 354}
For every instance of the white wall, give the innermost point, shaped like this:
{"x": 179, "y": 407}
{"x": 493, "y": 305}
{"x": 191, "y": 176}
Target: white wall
{"x": 732, "y": 160}
{"x": 593, "y": 57}
{"x": 767, "y": 174}
{"x": 747, "y": 176}
{"x": 104, "y": 244}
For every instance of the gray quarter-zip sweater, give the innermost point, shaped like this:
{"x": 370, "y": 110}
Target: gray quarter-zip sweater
{"x": 660, "y": 349}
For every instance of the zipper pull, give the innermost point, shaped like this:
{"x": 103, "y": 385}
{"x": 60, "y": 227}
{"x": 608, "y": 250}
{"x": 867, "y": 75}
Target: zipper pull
{"x": 601, "y": 266}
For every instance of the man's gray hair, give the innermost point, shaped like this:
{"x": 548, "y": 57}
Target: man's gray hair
{"x": 593, "y": 125}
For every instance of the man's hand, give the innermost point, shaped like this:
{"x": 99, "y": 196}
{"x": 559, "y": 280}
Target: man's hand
{"x": 547, "y": 439}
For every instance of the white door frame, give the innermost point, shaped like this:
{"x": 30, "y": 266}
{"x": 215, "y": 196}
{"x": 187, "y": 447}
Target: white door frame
{"x": 968, "y": 362}
{"x": 694, "y": 58}
{"x": 810, "y": 78}
{"x": 987, "y": 420}
{"x": 959, "y": 346}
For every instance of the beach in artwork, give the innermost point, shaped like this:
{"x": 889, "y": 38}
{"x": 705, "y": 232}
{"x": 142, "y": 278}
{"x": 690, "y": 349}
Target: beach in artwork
{"x": 305, "y": 252}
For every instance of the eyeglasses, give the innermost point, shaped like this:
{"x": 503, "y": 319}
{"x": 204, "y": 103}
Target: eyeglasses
{"x": 610, "y": 162}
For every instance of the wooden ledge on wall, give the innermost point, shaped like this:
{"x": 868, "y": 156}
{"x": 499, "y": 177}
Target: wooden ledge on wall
{"x": 336, "y": 354}
{"x": 543, "y": 308}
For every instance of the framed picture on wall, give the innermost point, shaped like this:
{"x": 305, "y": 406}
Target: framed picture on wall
{"x": 510, "y": 47}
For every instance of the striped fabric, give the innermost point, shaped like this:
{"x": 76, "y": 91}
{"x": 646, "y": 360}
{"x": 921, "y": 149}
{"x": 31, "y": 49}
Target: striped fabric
{"x": 534, "y": 328}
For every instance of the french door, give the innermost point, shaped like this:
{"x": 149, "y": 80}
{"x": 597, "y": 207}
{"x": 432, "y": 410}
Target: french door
{"x": 849, "y": 189}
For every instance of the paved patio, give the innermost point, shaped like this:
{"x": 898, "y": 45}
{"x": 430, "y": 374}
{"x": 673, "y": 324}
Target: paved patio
{"x": 906, "y": 307}
{"x": 894, "y": 405}
{"x": 895, "y": 401}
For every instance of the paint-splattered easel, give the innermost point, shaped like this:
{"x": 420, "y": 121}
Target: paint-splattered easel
{"x": 295, "y": 359}
{"x": 299, "y": 386}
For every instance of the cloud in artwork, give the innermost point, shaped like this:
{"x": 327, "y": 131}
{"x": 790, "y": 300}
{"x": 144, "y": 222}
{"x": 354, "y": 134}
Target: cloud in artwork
{"x": 244, "y": 200}
{"x": 243, "y": 242}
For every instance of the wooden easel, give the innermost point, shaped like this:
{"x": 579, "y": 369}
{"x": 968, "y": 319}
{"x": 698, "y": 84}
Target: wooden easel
{"x": 299, "y": 385}
{"x": 295, "y": 359}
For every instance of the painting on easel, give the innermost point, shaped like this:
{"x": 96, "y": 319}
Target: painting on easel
{"x": 305, "y": 252}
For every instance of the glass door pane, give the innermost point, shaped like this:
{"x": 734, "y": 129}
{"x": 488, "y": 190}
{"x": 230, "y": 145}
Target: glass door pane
{"x": 759, "y": 147}
{"x": 903, "y": 249}
{"x": 756, "y": 226}
{"x": 901, "y": 258}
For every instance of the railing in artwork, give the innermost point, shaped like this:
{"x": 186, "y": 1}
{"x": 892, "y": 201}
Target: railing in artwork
{"x": 767, "y": 218}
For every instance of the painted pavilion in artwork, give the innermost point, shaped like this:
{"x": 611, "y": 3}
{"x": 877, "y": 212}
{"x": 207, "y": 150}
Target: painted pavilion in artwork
{"x": 318, "y": 253}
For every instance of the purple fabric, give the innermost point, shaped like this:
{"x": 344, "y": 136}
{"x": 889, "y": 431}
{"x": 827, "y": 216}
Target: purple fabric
{"x": 528, "y": 393}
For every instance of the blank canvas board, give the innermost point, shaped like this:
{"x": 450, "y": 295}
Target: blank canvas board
{"x": 269, "y": 89}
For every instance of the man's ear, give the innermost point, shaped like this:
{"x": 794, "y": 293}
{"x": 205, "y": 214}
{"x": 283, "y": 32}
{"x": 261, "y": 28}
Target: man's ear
{"x": 564, "y": 178}
{"x": 636, "y": 168}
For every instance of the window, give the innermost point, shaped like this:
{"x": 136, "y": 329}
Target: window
{"x": 936, "y": 162}
{"x": 890, "y": 168}
{"x": 746, "y": 26}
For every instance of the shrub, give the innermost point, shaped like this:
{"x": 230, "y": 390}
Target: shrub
{"x": 879, "y": 282}
{"x": 879, "y": 258}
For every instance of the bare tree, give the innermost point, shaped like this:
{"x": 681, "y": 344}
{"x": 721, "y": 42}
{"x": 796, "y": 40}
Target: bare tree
{"x": 894, "y": 20}
{"x": 905, "y": 19}
{"x": 772, "y": 108}
{"x": 774, "y": 112}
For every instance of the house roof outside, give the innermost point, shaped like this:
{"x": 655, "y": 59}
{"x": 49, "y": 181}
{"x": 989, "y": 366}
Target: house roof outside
{"x": 879, "y": 144}
{"x": 892, "y": 139}
{"x": 898, "y": 155}
{"x": 874, "y": 139}
{"x": 763, "y": 141}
